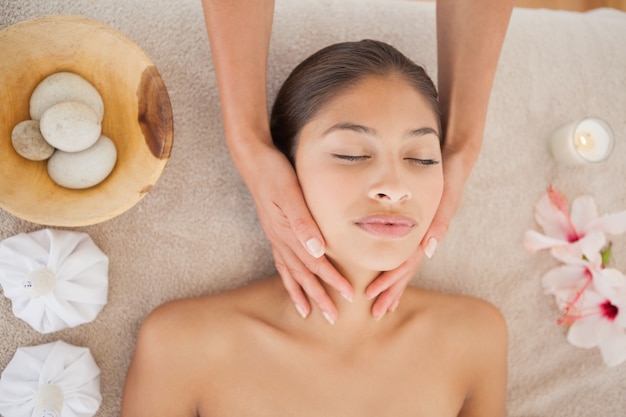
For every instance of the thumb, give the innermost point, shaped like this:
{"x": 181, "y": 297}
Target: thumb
{"x": 438, "y": 228}
{"x": 303, "y": 226}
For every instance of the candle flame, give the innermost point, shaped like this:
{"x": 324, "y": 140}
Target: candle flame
{"x": 584, "y": 142}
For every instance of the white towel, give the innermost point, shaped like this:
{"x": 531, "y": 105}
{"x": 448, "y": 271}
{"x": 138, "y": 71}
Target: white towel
{"x": 51, "y": 380}
{"x": 55, "y": 278}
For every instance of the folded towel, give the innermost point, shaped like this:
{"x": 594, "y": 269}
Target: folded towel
{"x": 51, "y": 380}
{"x": 54, "y": 278}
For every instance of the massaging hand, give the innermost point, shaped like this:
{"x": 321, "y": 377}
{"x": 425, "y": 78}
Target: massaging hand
{"x": 292, "y": 232}
{"x": 389, "y": 286}
{"x": 297, "y": 243}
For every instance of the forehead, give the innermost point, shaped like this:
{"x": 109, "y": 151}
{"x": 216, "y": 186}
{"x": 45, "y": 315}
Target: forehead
{"x": 379, "y": 100}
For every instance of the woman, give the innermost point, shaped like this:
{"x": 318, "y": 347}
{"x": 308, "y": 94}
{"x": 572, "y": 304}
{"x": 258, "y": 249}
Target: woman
{"x": 359, "y": 122}
{"x": 470, "y": 35}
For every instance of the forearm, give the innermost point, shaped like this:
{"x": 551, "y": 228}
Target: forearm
{"x": 239, "y": 34}
{"x": 470, "y": 34}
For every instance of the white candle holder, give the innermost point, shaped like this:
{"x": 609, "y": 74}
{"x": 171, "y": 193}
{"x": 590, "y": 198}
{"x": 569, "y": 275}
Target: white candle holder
{"x": 586, "y": 141}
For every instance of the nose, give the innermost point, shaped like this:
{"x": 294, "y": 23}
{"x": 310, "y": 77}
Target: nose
{"x": 389, "y": 186}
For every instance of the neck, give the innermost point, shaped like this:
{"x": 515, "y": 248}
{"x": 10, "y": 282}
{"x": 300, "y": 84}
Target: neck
{"x": 354, "y": 324}
{"x": 353, "y": 316}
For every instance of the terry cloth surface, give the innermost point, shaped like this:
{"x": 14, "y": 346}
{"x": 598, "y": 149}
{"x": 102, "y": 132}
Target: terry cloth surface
{"x": 197, "y": 232}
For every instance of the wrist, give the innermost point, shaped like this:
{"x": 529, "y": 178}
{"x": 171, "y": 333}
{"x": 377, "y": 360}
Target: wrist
{"x": 466, "y": 144}
{"x": 245, "y": 147}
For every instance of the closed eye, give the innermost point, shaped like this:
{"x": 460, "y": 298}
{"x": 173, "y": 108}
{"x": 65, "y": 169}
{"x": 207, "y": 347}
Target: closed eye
{"x": 425, "y": 162}
{"x": 351, "y": 158}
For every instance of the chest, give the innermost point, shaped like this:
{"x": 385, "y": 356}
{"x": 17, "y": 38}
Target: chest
{"x": 377, "y": 380}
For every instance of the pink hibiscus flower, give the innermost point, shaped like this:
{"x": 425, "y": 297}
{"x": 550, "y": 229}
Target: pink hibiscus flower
{"x": 570, "y": 229}
{"x": 592, "y": 299}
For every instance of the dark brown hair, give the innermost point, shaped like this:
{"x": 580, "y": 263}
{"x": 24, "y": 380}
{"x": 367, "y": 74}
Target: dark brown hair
{"x": 330, "y": 71}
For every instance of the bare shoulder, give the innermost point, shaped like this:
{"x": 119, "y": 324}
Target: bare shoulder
{"x": 474, "y": 334}
{"x": 468, "y": 317}
{"x": 473, "y": 329}
{"x": 179, "y": 345}
{"x": 206, "y": 318}
{"x": 479, "y": 316}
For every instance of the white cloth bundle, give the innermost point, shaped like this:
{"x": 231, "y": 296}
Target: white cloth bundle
{"x": 51, "y": 380}
{"x": 54, "y": 278}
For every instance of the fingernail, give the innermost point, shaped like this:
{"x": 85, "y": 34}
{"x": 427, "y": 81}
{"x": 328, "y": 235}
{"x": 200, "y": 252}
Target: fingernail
{"x": 394, "y": 306}
{"x": 430, "y": 247}
{"x": 314, "y": 246}
{"x": 346, "y": 296}
{"x": 301, "y": 311}
{"x": 371, "y": 296}
{"x": 328, "y": 317}
{"x": 379, "y": 316}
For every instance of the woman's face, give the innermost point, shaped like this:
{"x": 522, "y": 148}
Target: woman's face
{"x": 369, "y": 164}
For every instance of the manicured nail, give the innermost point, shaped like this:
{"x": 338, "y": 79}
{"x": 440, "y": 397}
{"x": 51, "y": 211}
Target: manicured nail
{"x": 301, "y": 311}
{"x": 314, "y": 246}
{"x": 328, "y": 317}
{"x": 379, "y": 316}
{"x": 394, "y": 306}
{"x": 346, "y": 296}
{"x": 430, "y": 247}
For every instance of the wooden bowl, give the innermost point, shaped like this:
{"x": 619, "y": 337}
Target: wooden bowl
{"x": 137, "y": 117}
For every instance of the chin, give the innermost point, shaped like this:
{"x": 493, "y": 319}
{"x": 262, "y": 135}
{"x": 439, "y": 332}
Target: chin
{"x": 385, "y": 264}
{"x": 358, "y": 252}
{"x": 378, "y": 259}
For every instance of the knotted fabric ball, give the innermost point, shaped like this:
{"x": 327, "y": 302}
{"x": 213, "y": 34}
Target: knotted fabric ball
{"x": 50, "y": 380}
{"x": 55, "y": 278}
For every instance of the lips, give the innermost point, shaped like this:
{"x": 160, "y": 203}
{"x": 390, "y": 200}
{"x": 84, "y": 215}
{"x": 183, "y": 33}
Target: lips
{"x": 386, "y": 226}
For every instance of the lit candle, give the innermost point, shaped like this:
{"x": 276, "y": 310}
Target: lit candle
{"x": 585, "y": 141}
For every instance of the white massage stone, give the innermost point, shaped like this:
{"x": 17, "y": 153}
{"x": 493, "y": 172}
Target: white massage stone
{"x": 29, "y": 143}
{"x": 78, "y": 170}
{"x": 64, "y": 86}
{"x": 70, "y": 126}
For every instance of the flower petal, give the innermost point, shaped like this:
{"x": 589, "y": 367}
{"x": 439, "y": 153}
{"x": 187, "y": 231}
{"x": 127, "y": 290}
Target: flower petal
{"x": 552, "y": 220}
{"x": 583, "y": 333}
{"x": 563, "y": 282}
{"x": 569, "y": 254}
{"x": 567, "y": 277}
{"x": 611, "y": 284}
{"x": 591, "y": 244}
{"x": 535, "y": 241}
{"x": 612, "y": 344}
{"x": 620, "y": 319}
{"x": 614, "y": 223}
{"x": 583, "y": 212}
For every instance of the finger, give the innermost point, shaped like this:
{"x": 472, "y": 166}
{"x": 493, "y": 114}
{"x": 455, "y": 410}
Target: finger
{"x": 323, "y": 269}
{"x": 302, "y": 224}
{"x": 431, "y": 239}
{"x": 450, "y": 201}
{"x": 404, "y": 273}
{"x": 392, "y": 284}
{"x": 311, "y": 286}
{"x": 319, "y": 267}
{"x": 439, "y": 226}
{"x": 455, "y": 172}
{"x": 389, "y": 300}
{"x": 291, "y": 285}
{"x": 304, "y": 269}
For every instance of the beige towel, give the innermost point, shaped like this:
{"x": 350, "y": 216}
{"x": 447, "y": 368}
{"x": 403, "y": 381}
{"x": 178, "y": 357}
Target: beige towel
{"x": 196, "y": 231}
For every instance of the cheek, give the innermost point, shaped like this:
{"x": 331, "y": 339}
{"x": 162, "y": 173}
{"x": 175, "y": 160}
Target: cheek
{"x": 435, "y": 191}
{"x": 325, "y": 194}
{"x": 427, "y": 192}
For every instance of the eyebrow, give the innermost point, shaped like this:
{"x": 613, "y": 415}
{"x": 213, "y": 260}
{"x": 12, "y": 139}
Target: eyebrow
{"x": 351, "y": 127}
{"x": 368, "y": 131}
{"x": 423, "y": 131}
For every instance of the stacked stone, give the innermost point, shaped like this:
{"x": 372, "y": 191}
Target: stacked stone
{"x": 66, "y": 129}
